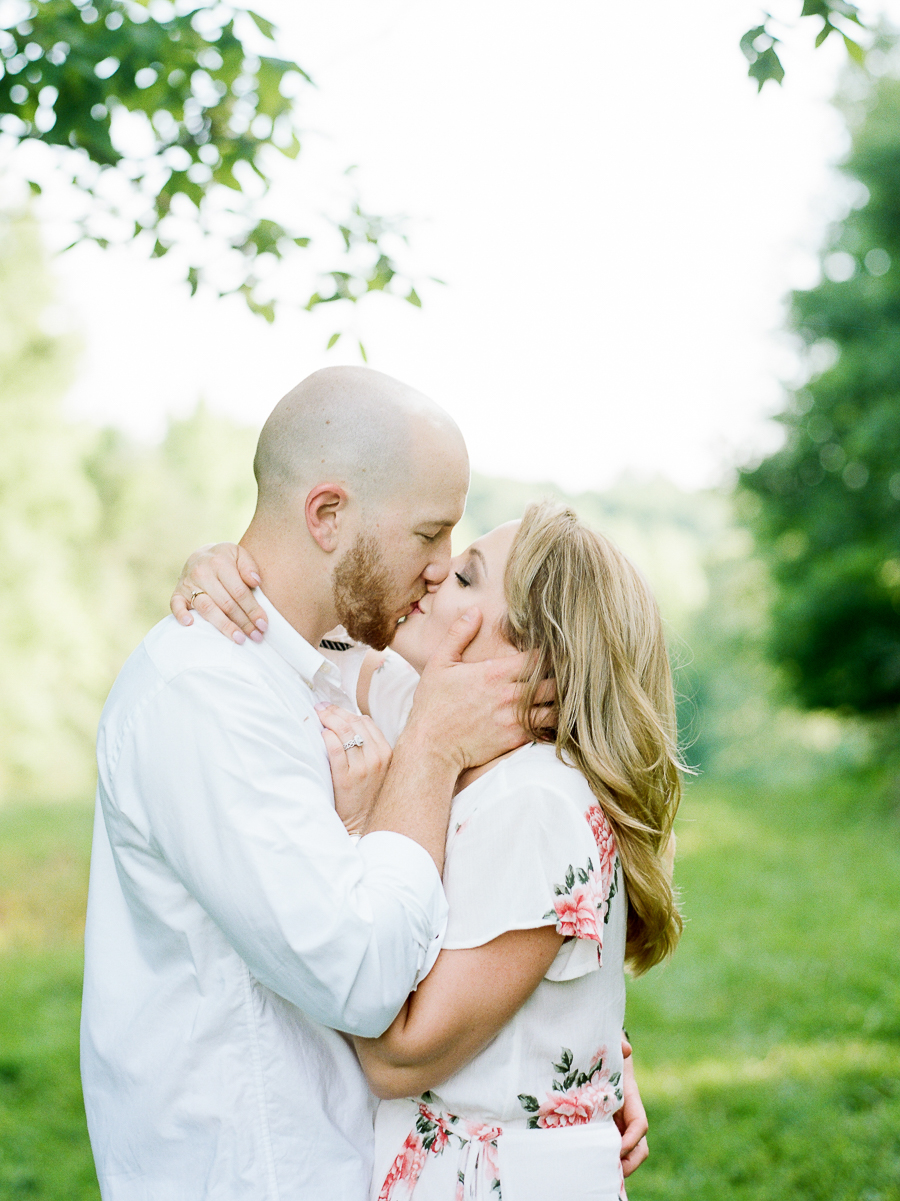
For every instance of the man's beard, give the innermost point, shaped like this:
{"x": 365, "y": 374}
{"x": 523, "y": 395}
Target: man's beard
{"x": 362, "y": 594}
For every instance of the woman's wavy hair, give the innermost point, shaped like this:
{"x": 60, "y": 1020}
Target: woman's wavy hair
{"x": 578, "y": 602}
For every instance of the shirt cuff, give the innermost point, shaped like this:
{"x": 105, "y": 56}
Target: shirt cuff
{"x": 416, "y": 881}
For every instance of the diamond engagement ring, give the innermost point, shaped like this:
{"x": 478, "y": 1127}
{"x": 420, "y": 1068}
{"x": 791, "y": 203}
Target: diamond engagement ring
{"x": 357, "y": 741}
{"x": 197, "y": 592}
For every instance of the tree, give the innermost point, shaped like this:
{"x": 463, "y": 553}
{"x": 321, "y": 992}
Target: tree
{"x": 165, "y": 114}
{"x": 827, "y": 506}
{"x": 838, "y": 17}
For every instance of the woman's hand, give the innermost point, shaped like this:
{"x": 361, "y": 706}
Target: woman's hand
{"x": 216, "y": 581}
{"x": 632, "y": 1117}
{"x": 358, "y": 771}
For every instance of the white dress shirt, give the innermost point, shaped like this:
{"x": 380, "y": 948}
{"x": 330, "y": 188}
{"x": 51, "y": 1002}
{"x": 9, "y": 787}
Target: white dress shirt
{"x": 233, "y": 927}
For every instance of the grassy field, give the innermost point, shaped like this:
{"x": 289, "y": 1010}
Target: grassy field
{"x": 768, "y": 1051}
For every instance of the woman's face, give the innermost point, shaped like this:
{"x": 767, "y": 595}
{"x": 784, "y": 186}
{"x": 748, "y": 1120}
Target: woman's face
{"x": 476, "y": 578}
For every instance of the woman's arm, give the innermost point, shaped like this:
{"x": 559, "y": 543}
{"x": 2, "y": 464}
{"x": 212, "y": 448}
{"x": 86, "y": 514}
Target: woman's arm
{"x": 465, "y": 1000}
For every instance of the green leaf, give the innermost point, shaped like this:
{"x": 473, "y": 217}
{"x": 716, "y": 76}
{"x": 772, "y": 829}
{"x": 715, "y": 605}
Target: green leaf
{"x": 747, "y": 47}
{"x": 332, "y": 341}
{"x": 823, "y": 33}
{"x": 531, "y": 1104}
{"x": 856, "y": 52}
{"x": 265, "y": 27}
{"x": 292, "y": 149}
{"x": 362, "y": 351}
{"x": 413, "y": 297}
{"x": 767, "y": 66}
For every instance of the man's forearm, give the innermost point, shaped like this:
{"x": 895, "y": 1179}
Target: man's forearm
{"x": 417, "y": 793}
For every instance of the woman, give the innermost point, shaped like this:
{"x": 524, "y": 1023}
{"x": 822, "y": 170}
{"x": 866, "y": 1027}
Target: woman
{"x": 503, "y": 1071}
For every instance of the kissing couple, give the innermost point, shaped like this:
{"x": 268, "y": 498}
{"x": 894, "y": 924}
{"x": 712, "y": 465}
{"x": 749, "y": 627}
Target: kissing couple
{"x": 367, "y": 872}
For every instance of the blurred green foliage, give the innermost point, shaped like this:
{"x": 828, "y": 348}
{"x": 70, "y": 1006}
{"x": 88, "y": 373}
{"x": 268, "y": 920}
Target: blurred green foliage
{"x": 714, "y": 592}
{"x": 209, "y": 111}
{"x": 93, "y": 530}
{"x": 827, "y": 506}
{"x": 840, "y": 18}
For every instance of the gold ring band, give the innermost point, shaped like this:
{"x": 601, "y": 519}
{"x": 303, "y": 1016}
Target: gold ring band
{"x": 197, "y": 592}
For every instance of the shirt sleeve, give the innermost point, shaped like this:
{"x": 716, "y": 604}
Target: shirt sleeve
{"x": 530, "y": 855}
{"x": 213, "y": 780}
{"x": 391, "y": 695}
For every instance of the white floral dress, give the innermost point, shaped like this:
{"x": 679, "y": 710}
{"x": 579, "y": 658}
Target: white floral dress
{"x": 530, "y": 1118}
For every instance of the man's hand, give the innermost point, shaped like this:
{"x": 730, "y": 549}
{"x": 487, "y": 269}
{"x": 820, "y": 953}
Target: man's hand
{"x": 632, "y": 1117}
{"x": 469, "y": 712}
{"x": 463, "y": 715}
{"x": 221, "y": 577}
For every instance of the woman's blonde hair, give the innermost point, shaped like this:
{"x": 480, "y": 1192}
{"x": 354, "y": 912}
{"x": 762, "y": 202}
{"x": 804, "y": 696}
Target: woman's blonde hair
{"x": 585, "y": 609}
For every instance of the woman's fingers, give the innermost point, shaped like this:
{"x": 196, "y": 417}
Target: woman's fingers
{"x": 221, "y": 581}
{"x": 179, "y": 607}
{"x": 376, "y": 748}
{"x": 337, "y": 756}
{"x": 370, "y": 752}
{"x": 247, "y": 567}
{"x": 635, "y": 1157}
{"x": 217, "y": 582}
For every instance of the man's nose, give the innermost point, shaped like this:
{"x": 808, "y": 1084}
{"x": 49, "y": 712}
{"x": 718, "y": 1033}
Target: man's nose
{"x": 437, "y": 570}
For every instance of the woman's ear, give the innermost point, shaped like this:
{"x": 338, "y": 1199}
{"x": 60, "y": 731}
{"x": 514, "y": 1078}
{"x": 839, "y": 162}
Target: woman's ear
{"x": 324, "y": 504}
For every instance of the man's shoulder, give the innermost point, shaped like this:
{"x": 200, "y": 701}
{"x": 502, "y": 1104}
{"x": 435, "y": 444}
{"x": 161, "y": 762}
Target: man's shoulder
{"x": 173, "y": 648}
{"x": 171, "y": 653}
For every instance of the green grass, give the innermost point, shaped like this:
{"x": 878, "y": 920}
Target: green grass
{"x": 768, "y": 1051}
{"x": 44, "y": 1152}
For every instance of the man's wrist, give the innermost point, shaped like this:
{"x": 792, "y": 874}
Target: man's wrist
{"x": 418, "y": 740}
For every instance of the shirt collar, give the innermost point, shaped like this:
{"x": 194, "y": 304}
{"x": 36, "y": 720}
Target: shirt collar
{"x": 309, "y": 663}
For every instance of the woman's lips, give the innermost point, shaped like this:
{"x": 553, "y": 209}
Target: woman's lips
{"x": 414, "y": 608}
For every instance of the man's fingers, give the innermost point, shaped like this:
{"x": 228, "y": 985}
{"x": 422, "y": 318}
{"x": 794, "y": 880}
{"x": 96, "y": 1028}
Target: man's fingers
{"x": 545, "y": 693}
{"x": 544, "y": 717}
{"x": 458, "y": 637}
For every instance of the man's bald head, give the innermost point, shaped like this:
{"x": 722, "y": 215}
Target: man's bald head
{"x": 350, "y": 426}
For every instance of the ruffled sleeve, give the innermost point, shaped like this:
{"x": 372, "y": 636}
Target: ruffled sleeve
{"x": 391, "y": 695}
{"x": 530, "y": 847}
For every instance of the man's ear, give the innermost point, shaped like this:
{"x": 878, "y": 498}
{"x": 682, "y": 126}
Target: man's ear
{"x": 324, "y": 506}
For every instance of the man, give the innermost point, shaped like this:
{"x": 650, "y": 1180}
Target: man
{"x": 233, "y": 927}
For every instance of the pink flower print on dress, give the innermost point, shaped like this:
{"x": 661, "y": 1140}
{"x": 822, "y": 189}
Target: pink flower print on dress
{"x": 487, "y": 1135}
{"x": 606, "y": 843}
{"x": 576, "y": 913}
{"x": 577, "y": 1097}
{"x": 565, "y": 1109}
{"x": 405, "y": 1170}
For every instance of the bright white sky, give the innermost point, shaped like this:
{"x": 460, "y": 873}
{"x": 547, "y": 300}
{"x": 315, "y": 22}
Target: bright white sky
{"x": 617, "y": 213}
